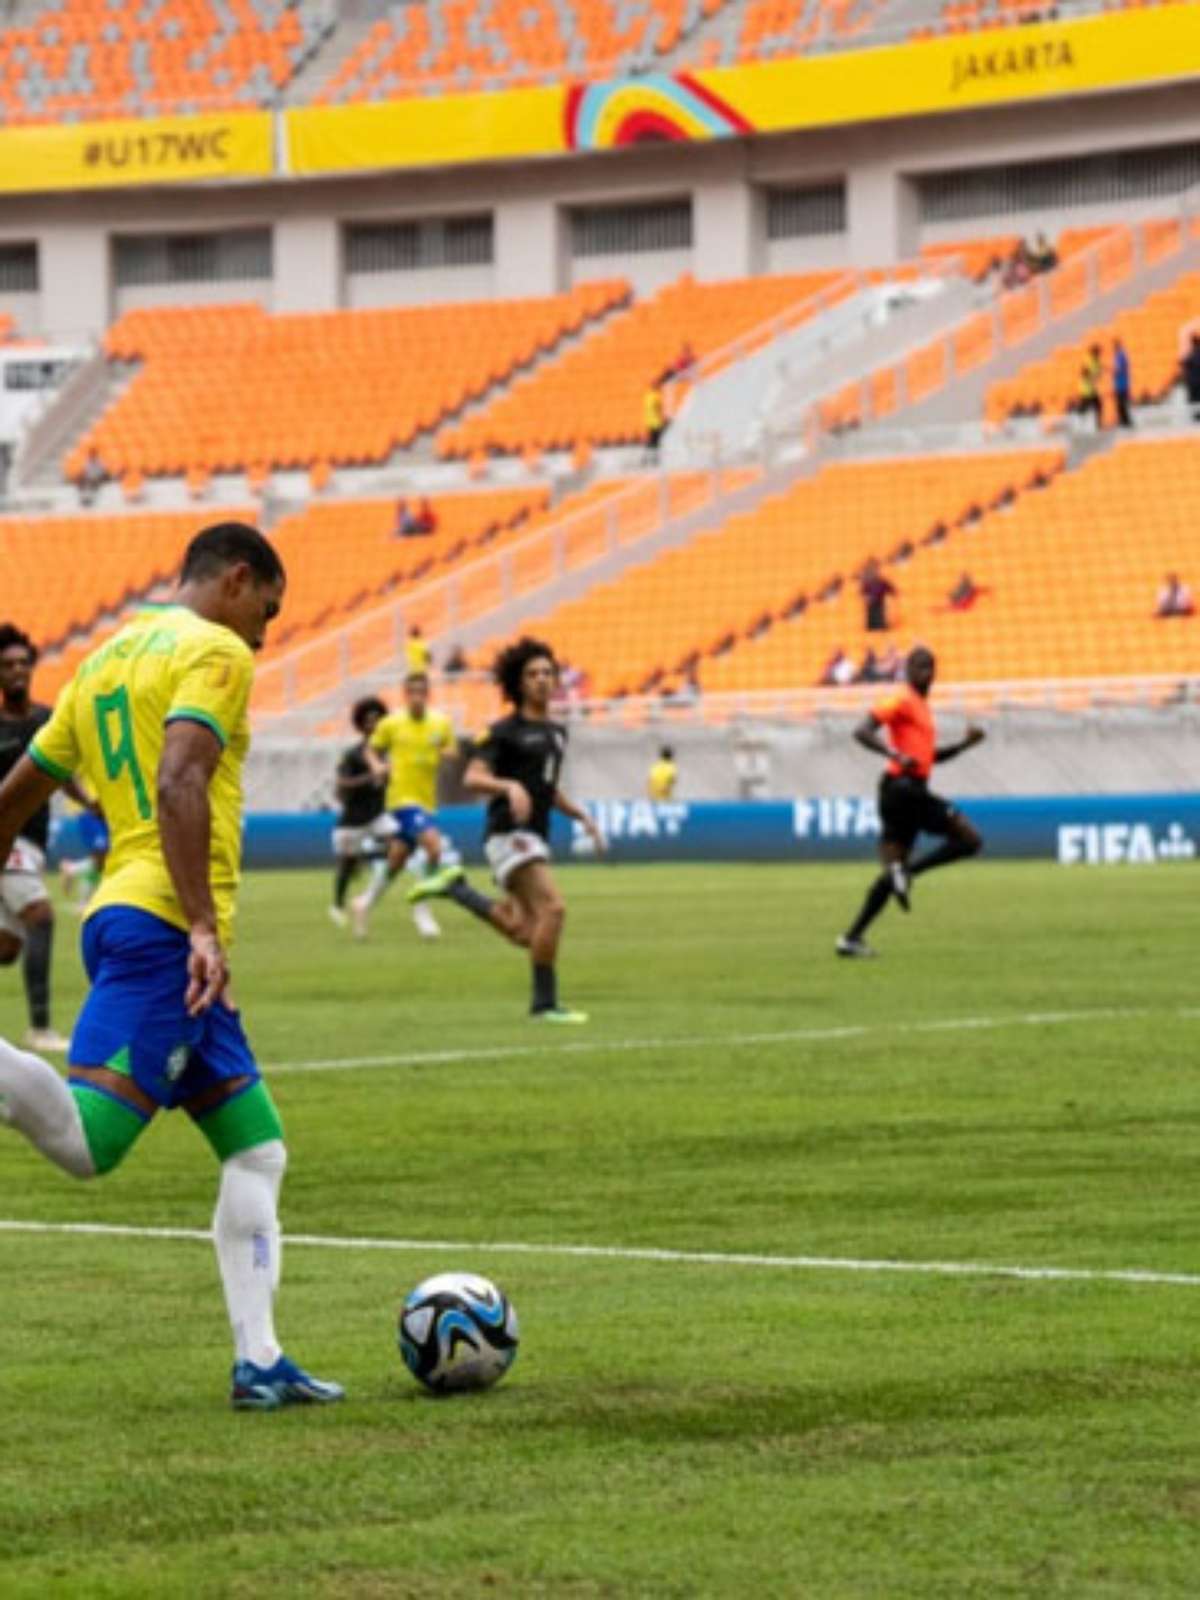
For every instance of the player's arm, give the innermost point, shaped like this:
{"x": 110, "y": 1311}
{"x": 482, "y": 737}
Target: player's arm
{"x": 869, "y": 736}
{"x": 972, "y": 737}
{"x": 191, "y": 752}
{"x": 374, "y": 752}
{"x": 75, "y": 791}
{"x": 583, "y": 817}
{"x": 24, "y": 791}
{"x": 365, "y": 780}
{"x": 480, "y": 779}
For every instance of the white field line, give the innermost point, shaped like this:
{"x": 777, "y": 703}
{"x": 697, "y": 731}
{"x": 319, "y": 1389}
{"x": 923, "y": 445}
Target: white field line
{"x": 598, "y": 1252}
{"x": 602, "y": 1046}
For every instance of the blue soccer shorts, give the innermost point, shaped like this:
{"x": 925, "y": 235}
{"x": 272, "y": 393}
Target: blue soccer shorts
{"x": 412, "y": 822}
{"x": 134, "y": 1019}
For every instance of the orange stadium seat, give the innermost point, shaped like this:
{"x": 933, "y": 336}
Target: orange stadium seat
{"x": 1069, "y": 578}
{"x": 125, "y": 58}
{"x": 347, "y": 387}
{"x": 594, "y": 392}
{"x": 636, "y": 631}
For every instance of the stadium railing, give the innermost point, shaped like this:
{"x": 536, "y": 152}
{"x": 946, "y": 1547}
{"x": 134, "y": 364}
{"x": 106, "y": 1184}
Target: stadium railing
{"x": 568, "y": 545}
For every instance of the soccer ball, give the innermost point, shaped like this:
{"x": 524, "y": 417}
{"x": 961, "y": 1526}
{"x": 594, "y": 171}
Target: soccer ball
{"x": 457, "y": 1332}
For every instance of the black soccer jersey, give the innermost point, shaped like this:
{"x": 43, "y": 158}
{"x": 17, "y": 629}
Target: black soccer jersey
{"x": 531, "y": 752}
{"x": 362, "y": 804}
{"x": 15, "y": 736}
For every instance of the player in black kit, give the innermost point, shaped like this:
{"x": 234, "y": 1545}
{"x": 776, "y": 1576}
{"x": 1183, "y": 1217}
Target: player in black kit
{"x": 517, "y": 765}
{"x": 358, "y": 832}
{"x": 26, "y": 912}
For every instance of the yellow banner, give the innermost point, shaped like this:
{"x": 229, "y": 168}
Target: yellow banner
{"x": 1041, "y": 61}
{"x": 96, "y": 155}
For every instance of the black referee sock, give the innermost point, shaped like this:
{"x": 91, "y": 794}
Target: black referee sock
{"x": 942, "y": 856}
{"x": 545, "y": 989}
{"x": 38, "y": 942}
{"x": 878, "y": 896}
{"x": 479, "y": 905}
{"x": 345, "y": 875}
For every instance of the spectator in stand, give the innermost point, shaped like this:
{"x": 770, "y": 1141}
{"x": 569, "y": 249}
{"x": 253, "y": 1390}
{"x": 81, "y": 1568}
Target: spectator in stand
{"x": 407, "y": 526}
{"x": 416, "y": 651}
{"x": 964, "y": 593}
{"x": 654, "y": 419}
{"x": 684, "y": 363}
{"x": 1090, "y": 376}
{"x": 876, "y": 591}
{"x": 837, "y": 672}
{"x": 92, "y": 478}
{"x": 891, "y": 665}
{"x": 1122, "y": 384}
{"x": 1043, "y": 255}
{"x": 570, "y": 682}
{"x": 1189, "y": 372}
{"x": 427, "y": 520}
{"x": 456, "y": 662}
{"x": 1174, "y": 598}
{"x": 869, "y": 671}
{"x": 1018, "y": 269}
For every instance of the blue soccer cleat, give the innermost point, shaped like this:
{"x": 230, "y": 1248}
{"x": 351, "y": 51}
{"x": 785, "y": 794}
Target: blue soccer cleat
{"x": 284, "y": 1384}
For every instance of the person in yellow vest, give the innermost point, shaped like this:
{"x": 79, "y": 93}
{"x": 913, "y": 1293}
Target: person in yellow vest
{"x": 654, "y": 419}
{"x": 416, "y": 651}
{"x": 1090, "y": 376}
{"x": 663, "y": 775}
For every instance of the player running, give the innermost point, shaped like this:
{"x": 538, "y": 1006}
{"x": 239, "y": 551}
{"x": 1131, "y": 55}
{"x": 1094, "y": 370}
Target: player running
{"x": 156, "y": 721}
{"x": 517, "y": 766}
{"x": 362, "y": 825}
{"x": 906, "y": 805}
{"x": 26, "y": 911}
{"x": 415, "y": 742}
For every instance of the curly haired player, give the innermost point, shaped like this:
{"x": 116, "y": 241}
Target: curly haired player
{"x": 517, "y": 765}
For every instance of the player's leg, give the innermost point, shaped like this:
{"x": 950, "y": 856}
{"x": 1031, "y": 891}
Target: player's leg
{"x": 893, "y": 854}
{"x": 960, "y": 839}
{"x": 347, "y": 844}
{"x": 384, "y": 871}
{"x": 534, "y": 889}
{"x": 36, "y": 1101}
{"x": 231, "y": 1105}
{"x": 508, "y": 917}
{"x": 38, "y": 921}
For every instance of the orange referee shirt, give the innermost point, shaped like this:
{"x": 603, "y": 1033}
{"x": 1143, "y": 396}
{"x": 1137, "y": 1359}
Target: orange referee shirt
{"x": 909, "y": 721}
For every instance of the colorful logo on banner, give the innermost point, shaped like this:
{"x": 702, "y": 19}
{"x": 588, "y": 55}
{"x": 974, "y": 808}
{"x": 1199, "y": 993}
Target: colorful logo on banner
{"x": 651, "y": 110}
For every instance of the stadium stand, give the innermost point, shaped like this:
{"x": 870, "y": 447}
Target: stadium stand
{"x": 1154, "y": 333}
{"x": 640, "y": 631}
{"x": 595, "y": 391}
{"x": 1068, "y": 579}
{"x": 63, "y": 575}
{"x": 346, "y": 387}
{"x": 98, "y": 59}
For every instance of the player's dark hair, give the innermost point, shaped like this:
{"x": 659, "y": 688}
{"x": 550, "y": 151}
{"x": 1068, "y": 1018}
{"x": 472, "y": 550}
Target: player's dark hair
{"x": 228, "y": 544}
{"x": 416, "y": 677}
{"x": 510, "y": 664}
{"x": 666, "y": 753}
{"x": 370, "y": 707}
{"x": 11, "y": 635}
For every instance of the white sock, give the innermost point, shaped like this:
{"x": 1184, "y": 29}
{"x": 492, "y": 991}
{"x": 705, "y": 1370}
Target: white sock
{"x": 378, "y": 884}
{"x": 36, "y": 1102}
{"x": 246, "y": 1234}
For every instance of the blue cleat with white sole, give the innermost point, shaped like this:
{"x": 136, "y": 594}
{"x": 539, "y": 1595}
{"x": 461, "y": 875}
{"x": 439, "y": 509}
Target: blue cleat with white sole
{"x": 284, "y": 1384}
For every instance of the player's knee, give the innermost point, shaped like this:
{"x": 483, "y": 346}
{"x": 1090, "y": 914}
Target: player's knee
{"x": 39, "y": 913}
{"x": 552, "y": 912}
{"x": 268, "y": 1160}
{"x": 971, "y": 841}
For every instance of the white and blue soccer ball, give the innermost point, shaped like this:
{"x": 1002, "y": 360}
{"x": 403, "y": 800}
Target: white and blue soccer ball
{"x": 457, "y": 1332}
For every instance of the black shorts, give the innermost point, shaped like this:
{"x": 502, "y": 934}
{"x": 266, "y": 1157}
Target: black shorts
{"x": 907, "y": 808}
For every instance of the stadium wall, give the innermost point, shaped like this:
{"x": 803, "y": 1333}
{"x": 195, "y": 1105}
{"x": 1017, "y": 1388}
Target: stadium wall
{"x": 881, "y": 165}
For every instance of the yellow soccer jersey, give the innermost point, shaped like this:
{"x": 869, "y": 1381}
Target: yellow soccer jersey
{"x": 414, "y": 750}
{"x": 109, "y": 726}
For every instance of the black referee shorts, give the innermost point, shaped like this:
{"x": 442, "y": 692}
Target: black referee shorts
{"x": 907, "y": 808}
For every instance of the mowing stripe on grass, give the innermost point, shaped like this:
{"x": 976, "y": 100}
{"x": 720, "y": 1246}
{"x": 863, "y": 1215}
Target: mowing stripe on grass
{"x": 602, "y": 1046}
{"x": 602, "y": 1252}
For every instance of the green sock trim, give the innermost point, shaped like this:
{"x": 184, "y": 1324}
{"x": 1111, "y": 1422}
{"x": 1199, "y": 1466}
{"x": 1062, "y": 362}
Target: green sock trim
{"x": 110, "y": 1128}
{"x": 239, "y": 1124}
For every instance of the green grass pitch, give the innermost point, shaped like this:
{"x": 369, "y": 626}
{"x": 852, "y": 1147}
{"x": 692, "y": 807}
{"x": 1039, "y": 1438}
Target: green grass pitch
{"x": 671, "y": 1427}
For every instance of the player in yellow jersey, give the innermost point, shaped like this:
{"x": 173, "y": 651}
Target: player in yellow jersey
{"x": 663, "y": 775}
{"x": 156, "y": 723}
{"x": 408, "y": 748}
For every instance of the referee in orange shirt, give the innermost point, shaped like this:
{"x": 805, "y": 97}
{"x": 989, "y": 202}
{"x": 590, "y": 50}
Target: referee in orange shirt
{"x": 907, "y": 807}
